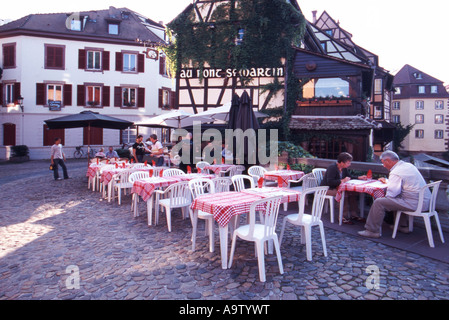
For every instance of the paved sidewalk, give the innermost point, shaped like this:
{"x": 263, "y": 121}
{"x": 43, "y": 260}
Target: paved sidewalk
{"x": 52, "y": 231}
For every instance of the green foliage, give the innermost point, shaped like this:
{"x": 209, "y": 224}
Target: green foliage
{"x": 294, "y": 151}
{"x": 400, "y": 133}
{"x": 20, "y": 151}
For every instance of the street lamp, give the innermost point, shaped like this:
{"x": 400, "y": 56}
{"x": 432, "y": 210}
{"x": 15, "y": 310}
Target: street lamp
{"x": 20, "y": 101}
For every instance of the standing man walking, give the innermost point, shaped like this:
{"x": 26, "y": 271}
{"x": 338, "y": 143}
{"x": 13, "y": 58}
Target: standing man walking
{"x": 57, "y": 159}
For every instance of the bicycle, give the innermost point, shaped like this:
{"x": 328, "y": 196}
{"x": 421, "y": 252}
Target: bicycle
{"x": 79, "y": 152}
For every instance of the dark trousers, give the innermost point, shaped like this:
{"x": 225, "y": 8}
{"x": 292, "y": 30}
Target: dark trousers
{"x": 59, "y": 162}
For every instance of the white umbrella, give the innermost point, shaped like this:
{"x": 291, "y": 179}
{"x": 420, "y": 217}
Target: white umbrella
{"x": 174, "y": 119}
{"x": 222, "y": 113}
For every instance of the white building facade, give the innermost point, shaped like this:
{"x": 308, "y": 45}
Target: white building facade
{"x": 104, "y": 61}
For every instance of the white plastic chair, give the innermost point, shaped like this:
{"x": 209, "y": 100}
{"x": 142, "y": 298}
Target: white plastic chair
{"x": 239, "y": 169}
{"x": 101, "y": 186}
{"x": 172, "y": 172}
{"x": 231, "y": 171}
{"x": 198, "y": 187}
{"x": 307, "y": 181}
{"x": 201, "y": 165}
{"x": 139, "y": 175}
{"x": 94, "y": 182}
{"x": 175, "y": 196}
{"x": 140, "y": 166}
{"x": 121, "y": 182}
{"x": 426, "y": 215}
{"x": 260, "y": 233}
{"x": 258, "y": 172}
{"x": 307, "y": 221}
{"x": 319, "y": 174}
{"x": 222, "y": 184}
{"x": 238, "y": 181}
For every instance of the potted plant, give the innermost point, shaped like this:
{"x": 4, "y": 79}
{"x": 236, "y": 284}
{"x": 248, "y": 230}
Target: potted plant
{"x": 20, "y": 153}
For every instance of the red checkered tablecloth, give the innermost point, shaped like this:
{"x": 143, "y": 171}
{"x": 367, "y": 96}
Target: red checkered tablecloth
{"x": 225, "y": 205}
{"x": 217, "y": 168}
{"x": 282, "y": 176}
{"x": 374, "y": 188}
{"x": 288, "y": 195}
{"x": 93, "y": 169}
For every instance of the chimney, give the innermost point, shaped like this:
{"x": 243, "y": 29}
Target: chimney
{"x": 314, "y": 16}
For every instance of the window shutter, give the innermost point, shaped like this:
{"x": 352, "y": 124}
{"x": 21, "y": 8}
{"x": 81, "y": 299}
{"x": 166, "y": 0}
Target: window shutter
{"x": 141, "y": 63}
{"x": 161, "y": 92}
{"x": 40, "y": 94}
{"x": 118, "y": 61}
{"x": 81, "y": 59}
{"x": 173, "y": 103}
{"x": 105, "y": 60}
{"x": 162, "y": 65}
{"x": 117, "y": 96}
{"x": 141, "y": 97}
{"x": 67, "y": 95}
{"x": 81, "y": 96}
{"x": 16, "y": 92}
{"x": 106, "y": 96}
{"x": 1, "y": 94}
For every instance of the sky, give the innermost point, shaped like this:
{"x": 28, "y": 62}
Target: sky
{"x": 398, "y": 31}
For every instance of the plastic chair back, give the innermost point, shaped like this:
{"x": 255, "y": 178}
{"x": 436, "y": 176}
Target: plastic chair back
{"x": 271, "y": 212}
{"x": 256, "y": 171}
{"x": 172, "y": 172}
{"x": 140, "y": 175}
{"x": 201, "y": 186}
{"x": 222, "y": 184}
{"x": 319, "y": 174}
{"x": 179, "y": 194}
{"x": 319, "y": 194}
{"x": 238, "y": 181}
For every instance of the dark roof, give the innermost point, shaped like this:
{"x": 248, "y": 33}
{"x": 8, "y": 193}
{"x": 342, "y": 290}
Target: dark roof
{"x": 317, "y": 123}
{"x": 408, "y": 75}
{"x": 132, "y": 26}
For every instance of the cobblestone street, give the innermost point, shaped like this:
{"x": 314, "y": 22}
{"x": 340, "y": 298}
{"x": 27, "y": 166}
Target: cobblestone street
{"x": 50, "y": 231}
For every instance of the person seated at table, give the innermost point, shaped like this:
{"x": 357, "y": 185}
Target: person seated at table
{"x": 157, "y": 151}
{"x": 100, "y": 154}
{"x": 111, "y": 153}
{"x": 404, "y": 183}
{"x": 337, "y": 174}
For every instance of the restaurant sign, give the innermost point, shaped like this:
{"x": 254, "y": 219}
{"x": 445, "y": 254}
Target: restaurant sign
{"x": 192, "y": 73}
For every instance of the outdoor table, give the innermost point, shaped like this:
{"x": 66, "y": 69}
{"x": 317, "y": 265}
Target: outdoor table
{"x": 283, "y": 176}
{"x": 374, "y": 188}
{"x": 145, "y": 188}
{"x": 217, "y": 168}
{"x": 226, "y": 206}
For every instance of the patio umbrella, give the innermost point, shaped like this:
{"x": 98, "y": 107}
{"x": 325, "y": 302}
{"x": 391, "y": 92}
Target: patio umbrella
{"x": 173, "y": 119}
{"x": 233, "y": 111}
{"x": 223, "y": 113}
{"x": 88, "y": 119}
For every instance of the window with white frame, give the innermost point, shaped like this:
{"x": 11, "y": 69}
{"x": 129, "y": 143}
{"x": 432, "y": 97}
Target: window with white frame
{"x": 439, "y": 105}
{"x": 421, "y": 89}
{"x": 128, "y": 97}
{"x": 378, "y": 86}
{"x": 93, "y": 95}
{"x": 396, "y": 105}
{"x": 377, "y": 112}
{"x": 396, "y": 118}
{"x": 129, "y": 62}
{"x": 93, "y": 60}
{"x": 9, "y": 93}
{"x": 419, "y": 134}
{"x": 434, "y": 89}
{"x": 419, "y": 105}
{"x": 113, "y": 28}
{"x": 54, "y": 93}
{"x": 439, "y": 119}
{"x": 397, "y": 90}
{"x": 419, "y": 118}
{"x": 439, "y": 134}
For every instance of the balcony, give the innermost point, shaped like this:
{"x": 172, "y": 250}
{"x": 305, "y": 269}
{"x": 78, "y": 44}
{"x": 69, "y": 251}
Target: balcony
{"x": 326, "y": 107}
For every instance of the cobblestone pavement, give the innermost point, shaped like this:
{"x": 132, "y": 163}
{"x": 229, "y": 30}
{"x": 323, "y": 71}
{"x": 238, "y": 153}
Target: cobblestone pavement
{"x": 52, "y": 231}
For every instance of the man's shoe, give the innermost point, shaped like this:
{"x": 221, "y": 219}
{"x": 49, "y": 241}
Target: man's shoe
{"x": 369, "y": 234}
{"x": 401, "y": 229}
{"x": 58, "y": 179}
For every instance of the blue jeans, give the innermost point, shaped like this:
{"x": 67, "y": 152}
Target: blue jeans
{"x": 59, "y": 162}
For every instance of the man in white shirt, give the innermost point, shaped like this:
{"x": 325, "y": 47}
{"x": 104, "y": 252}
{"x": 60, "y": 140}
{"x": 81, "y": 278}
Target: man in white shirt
{"x": 57, "y": 157}
{"x": 157, "y": 151}
{"x": 404, "y": 183}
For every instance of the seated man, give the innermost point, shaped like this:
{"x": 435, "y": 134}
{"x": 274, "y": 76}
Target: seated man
{"x": 404, "y": 182}
{"x": 111, "y": 153}
{"x": 157, "y": 151}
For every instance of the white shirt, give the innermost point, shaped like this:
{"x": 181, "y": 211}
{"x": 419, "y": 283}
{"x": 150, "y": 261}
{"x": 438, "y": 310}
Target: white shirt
{"x": 404, "y": 179}
{"x": 156, "y": 146}
{"x": 56, "y": 151}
